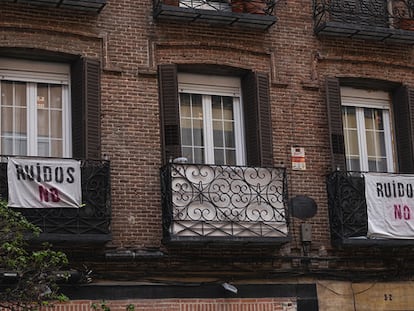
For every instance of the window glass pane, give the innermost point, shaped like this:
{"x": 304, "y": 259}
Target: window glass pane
{"x": 57, "y": 148}
{"x": 229, "y": 134}
{"x": 218, "y": 134}
{"x": 198, "y": 138}
{"x": 186, "y": 133}
{"x": 216, "y": 105}
{"x": 198, "y": 155}
{"x": 21, "y": 146}
{"x": 197, "y": 108}
{"x": 351, "y": 138}
{"x": 42, "y": 96}
{"x": 368, "y": 137}
{"x": 219, "y": 156}
{"x": 208, "y": 128}
{"x": 13, "y": 118}
{"x": 349, "y": 117}
{"x": 7, "y": 145}
{"x": 43, "y": 148}
{"x": 231, "y": 157}
{"x": 56, "y": 96}
{"x": 228, "y": 108}
{"x": 6, "y": 93}
{"x": 20, "y": 93}
{"x": 32, "y": 114}
{"x": 21, "y": 121}
{"x": 7, "y": 121}
{"x": 56, "y": 123}
{"x": 369, "y": 118}
{"x": 353, "y": 164}
{"x": 185, "y": 109}
{"x": 43, "y": 122}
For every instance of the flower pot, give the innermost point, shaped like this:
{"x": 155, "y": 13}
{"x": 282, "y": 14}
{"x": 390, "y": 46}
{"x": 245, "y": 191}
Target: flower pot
{"x": 406, "y": 23}
{"x": 171, "y": 2}
{"x": 237, "y": 6}
{"x": 255, "y": 6}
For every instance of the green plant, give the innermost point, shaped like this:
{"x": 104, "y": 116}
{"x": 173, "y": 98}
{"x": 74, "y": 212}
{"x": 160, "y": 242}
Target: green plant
{"x": 103, "y": 306}
{"x": 31, "y": 272}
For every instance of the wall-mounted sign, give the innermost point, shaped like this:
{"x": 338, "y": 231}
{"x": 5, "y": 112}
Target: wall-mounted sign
{"x": 390, "y": 205}
{"x": 40, "y": 182}
{"x": 298, "y": 159}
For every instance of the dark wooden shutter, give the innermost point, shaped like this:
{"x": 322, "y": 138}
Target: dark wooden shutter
{"x": 85, "y": 75}
{"x": 336, "y": 131}
{"x": 169, "y": 111}
{"x": 403, "y": 101}
{"x": 257, "y": 115}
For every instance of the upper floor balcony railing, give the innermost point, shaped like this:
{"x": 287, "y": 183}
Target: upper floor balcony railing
{"x": 381, "y": 20}
{"x": 256, "y": 14}
{"x": 224, "y": 204}
{"x": 348, "y": 214}
{"x": 90, "y": 223}
{"x": 94, "y": 6}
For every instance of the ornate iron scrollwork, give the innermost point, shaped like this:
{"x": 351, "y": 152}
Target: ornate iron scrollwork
{"x": 347, "y": 205}
{"x": 224, "y": 201}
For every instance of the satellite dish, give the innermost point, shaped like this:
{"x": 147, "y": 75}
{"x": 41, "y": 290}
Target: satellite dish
{"x": 302, "y": 207}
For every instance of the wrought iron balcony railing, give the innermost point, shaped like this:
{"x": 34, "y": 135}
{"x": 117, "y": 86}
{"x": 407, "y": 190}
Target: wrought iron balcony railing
{"x": 258, "y": 14}
{"x": 94, "y": 6}
{"x": 348, "y": 215}
{"x": 226, "y": 204}
{"x": 89, "y": 223}
{"x": 382, "y": 20}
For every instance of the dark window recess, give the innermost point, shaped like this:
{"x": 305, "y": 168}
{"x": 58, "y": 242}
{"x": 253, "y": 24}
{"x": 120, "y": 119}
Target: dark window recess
{"x": 94, "y": 6}
{"x": 256, "y": 103}
{"x": 403, "y": 108}
{"x": 85, "y": 75}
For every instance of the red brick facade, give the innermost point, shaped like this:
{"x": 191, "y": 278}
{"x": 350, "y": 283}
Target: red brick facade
{"x": 130, "y": 44}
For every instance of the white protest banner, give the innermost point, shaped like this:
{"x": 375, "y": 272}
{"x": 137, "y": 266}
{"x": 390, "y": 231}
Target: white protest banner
{"x": 43, "y": 182}
{"x": 390, "y": 205}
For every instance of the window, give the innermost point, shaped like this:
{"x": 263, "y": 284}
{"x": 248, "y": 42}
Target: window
{"x": 50, "y": 108}
{"x": 215, "y": 119}
{"x": 371, "y": 125}
{"x": 211, "y": 119}
{"x": 367, "y": 130}
{"x": 34, "y": 109}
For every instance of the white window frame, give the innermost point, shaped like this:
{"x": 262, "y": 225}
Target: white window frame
{"x": 361, "y": 99}
{"x": 207, "y": 86}
{"x": 32, "y": 73}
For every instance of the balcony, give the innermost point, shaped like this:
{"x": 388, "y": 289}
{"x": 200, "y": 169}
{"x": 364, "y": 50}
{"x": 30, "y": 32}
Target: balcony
{"x": 381, "y": 20}
{"x": 253, "y": 14}
{"x": 224, "y": 204}
{"x": 89, "y": 223}
{"x": 94, "y": 6}
{"x": 348, "y": 214}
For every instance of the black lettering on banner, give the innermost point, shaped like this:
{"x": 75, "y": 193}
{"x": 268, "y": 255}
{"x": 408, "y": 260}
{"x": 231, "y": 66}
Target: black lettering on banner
{"x": 59, "y": 175}
{"x": 70, "y": 172}
{"x": 47, "y": 173}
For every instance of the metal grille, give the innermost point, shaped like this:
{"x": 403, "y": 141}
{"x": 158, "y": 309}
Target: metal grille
{"x": 90, "y": 222}
{"x": 83, "y": 5}
{"x": 211, "y": 202}
{"x": 347, "y": 205}
{"x": 379, "y": 13}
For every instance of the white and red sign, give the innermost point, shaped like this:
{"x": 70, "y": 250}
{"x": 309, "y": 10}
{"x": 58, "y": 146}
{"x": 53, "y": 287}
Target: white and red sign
{"x": 42, "y": 183}
{"x": 390, "y": 205}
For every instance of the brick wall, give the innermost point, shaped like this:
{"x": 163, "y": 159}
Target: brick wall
{"x": 185, "y": 305}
